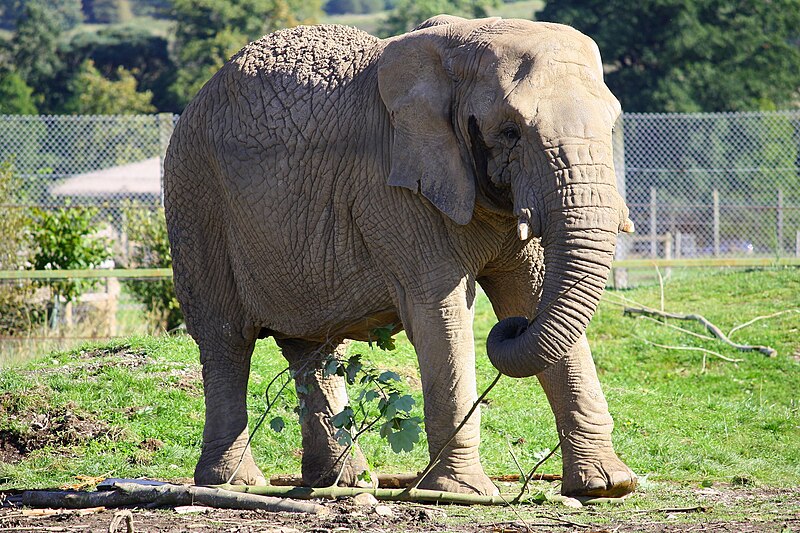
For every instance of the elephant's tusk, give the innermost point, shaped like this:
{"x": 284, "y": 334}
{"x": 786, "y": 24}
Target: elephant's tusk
{"x": 523, "y": 230}
{"x": 627, "y": 226}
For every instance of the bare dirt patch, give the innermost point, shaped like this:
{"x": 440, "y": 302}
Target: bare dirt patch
{"x": 59, "y": 427}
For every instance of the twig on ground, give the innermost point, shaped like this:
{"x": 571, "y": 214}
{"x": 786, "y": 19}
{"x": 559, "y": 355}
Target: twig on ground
{"x": 540, "y": 463}
{"x": 126, "y": 494}
{"x": 756, "y": 319}
{"x": 678, "y": 328}
{"x": 714, "y": 330}
{"x": 691, "y": 349}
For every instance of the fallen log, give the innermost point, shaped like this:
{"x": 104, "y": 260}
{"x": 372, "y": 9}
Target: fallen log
{"x": 167, "y": 495}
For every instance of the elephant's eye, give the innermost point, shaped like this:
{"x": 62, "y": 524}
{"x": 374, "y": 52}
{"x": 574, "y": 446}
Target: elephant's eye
{"x": 510, "y": 132}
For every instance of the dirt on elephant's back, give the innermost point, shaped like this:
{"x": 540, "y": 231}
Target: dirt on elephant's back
{"x": 724, "y": 508}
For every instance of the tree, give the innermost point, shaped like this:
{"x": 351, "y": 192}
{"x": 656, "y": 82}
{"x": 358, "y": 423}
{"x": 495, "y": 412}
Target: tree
{"x": 134, "y": 48}
{"x": 34, "y": 47}
{"x": 409, "y": 13}
{"x": 68, "y": 12}
{"x": 93, "y": 94}
{"x": 16, "y": 97}
{"x": 686, "y": 55}
{"x": 210, "y": 31}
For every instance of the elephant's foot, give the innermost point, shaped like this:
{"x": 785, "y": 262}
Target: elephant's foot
{"x": 592, "y": 468}
{"x": 216, "y": 467}
{"x": 322, "y": 469}
{"x": 464, "y": 480}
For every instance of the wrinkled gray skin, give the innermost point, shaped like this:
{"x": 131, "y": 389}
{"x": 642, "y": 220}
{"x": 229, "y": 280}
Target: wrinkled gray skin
{"x": 325, "y": 183}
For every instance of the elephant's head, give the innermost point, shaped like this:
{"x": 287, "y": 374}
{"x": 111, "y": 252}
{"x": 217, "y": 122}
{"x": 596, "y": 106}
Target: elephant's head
{"x": 514, "y": 116}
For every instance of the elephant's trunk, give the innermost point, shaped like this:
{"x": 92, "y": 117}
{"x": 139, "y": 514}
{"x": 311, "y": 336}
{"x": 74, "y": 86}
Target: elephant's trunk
{"x": 578, "y": 243}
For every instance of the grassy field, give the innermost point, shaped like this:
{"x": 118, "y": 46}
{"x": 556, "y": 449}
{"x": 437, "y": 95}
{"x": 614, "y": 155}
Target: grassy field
{"x": 372, "y": 22}
{"x": 685, "y": 421}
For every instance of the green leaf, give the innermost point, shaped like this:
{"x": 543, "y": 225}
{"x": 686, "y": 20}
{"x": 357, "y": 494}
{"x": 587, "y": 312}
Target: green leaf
{"x": 343, "y": 437}
{"x": 344, "y": 419}
{"x": 403, "y": 440}
{"x": 277, "y": 424}
{"x": 404, "y": 403}
{"x": 331, "y": 368}
{"x": 388, "y": 376}
{"x": 300, "y": 388}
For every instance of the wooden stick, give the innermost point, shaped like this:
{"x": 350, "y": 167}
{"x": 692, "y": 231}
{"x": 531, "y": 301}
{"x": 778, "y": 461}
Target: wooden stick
{"x": 125, "y": 494}
{"x": 407, "y": 495}
{"x": 400, "y": 481}
{"x": 714, "y": 330}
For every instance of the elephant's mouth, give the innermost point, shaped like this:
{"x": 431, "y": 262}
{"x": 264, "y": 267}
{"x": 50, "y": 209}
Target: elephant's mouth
{"x": 490, "y": 195}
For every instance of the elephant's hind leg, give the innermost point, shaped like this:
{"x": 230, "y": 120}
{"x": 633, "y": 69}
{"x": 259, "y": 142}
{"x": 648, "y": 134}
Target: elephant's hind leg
{"x": 321, "y": 397}
{"x": 225, "y": 352}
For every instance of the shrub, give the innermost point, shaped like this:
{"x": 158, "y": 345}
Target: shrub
{"x": 20, "y": 309}
{"x": 149, "y": 248}
{"x": 67, "y": 239}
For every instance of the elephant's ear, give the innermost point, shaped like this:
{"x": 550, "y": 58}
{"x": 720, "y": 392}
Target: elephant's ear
{"x": 426, "y": 155}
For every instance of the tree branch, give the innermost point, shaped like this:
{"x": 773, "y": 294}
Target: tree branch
{"x": 714, "y": 330}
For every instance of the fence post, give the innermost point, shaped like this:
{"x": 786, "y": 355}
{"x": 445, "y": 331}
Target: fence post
{"x": 678, "y": 244}
{"x": 779, "y": 223}
{"x": 716, "y": 222}
{"x": 653, "y": 222}
{"x": 618, "y": 156}
{"x": 797, "y": 244}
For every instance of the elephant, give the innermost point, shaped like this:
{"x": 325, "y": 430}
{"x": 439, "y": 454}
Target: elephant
{"x": 325, "y": 183}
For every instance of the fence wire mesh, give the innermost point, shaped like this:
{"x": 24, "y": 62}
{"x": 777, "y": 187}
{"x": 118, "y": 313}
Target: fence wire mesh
{"x": 711, "y": 185}
{"x": 108, "y": 162}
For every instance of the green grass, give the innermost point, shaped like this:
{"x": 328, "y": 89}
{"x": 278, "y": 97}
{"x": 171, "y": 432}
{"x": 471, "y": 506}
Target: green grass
{"x": 371, "y": 22}
{"x": 675, "y": 421}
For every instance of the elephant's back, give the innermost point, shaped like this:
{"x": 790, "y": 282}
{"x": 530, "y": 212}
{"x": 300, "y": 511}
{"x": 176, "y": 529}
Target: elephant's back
{"x": 322, "y": 56}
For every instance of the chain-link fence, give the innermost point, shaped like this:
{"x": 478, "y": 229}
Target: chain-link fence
{"x": 698, "y": 185}
{"x": 109, "y": 162}
{"x": 711, "y": 185}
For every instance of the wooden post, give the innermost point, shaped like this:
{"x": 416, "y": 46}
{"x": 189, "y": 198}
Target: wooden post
{"x": 716, "y": 222}
{"x": 668, "y": 252}
{"x": 678, "y": 244}
{"x": 653, "y": 223}
{"x": 779, "y": 223}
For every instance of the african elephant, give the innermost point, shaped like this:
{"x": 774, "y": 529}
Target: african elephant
{"x": 325, "y": 182}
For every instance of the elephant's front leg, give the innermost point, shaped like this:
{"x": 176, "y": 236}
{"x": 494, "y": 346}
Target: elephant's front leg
{"x": 591, "y": 467}
{"x": 225, "y": 354}
{"x": 321, "y": 397}
{"x": 441, "y": 333}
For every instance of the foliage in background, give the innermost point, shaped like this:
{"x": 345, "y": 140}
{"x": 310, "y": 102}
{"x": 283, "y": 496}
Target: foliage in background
{"x": 107, "y": 11}
{"x": 340, "y": 7}
{"x": 409, "y": 13}
{"x": 20, "y": 309}
{"x": 134, "y": 48}
{"x": 690, "y": 56}
{"x": 94, "y": 94}
{"x": 34, "y": 47}
{"x": 209, "y": 32}
{"x": 149, "y": 248}
{"x": 16, "y": 96}
{"x": 64, "y": 239}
